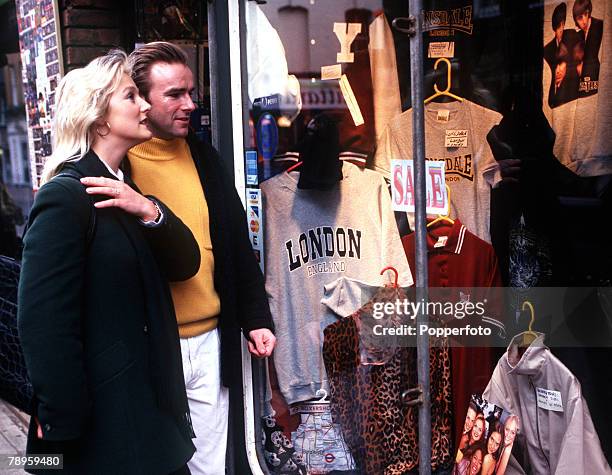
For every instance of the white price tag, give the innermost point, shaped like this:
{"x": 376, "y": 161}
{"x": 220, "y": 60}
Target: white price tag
{"x": 331, "y": 72}
{"x": 441, "y": 49}
{"x": 442, "y": 240}
{"x": 443, "y": 115}
{"x": 549, "y": 399}
{"x": 456, "y": 138}
{"x": 351, "y": 100}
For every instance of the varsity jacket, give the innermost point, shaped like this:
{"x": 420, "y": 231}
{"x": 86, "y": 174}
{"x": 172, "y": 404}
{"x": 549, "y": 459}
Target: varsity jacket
{"x": 458, "y": 258}
{"x": 554, "y": 418}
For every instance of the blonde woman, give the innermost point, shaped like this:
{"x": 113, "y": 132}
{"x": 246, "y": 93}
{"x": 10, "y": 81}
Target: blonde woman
{"x": 95, "y": 317}
{"x": 510, "y": 431}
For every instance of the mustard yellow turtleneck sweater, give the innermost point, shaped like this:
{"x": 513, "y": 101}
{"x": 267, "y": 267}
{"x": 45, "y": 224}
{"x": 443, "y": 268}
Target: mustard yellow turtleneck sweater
{"x": 165, "y": 169}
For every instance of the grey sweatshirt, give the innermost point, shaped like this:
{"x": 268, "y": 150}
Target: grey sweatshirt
{"x": 471, "y": 169}
{"x": 312, "y": 238}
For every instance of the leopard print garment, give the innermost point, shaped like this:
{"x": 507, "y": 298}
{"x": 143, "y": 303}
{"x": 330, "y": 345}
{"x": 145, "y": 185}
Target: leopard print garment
{"x": 367, "y": 401}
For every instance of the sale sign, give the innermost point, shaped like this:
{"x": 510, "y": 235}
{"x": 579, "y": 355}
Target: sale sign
{"x": 403, "y": 192}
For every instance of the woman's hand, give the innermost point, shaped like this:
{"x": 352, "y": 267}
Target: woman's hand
{"x": 123, "y": 197}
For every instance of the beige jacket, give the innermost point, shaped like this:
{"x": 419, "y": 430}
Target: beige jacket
{"x": 560, "y": 437}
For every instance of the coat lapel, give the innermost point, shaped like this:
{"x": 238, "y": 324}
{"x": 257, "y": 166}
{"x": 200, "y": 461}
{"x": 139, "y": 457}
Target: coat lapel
{"x": 91, "y": 165}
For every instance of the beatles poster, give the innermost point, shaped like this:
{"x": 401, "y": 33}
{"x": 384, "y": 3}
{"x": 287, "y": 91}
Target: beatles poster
{"x": 42, "y": 68}
{"x": 577, "y": 92}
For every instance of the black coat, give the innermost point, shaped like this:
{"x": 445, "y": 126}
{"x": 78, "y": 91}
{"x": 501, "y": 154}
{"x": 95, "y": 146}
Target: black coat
{"x": 85, "y": 312}
{"x": 237, "y": 277}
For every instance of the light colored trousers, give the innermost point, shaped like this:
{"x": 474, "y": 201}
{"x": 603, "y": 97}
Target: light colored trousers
{"x": 208, "y": 402}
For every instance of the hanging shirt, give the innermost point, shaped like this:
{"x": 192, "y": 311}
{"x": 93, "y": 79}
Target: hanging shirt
{"x": 385, "y": 81}
{"x": 456, "y": 257}
{"x": 554, "y": 417}
{"x": 463, "y": 260}
{"x": 283, "y": 161}
{"x": 361, "y": 137}
{"x": 318, "y": 440}
{"x": 266, "y": 61}
{"x": 470, "y": 167}
{"x": 312, "y": 237}
{"x": 366, "y": 390}
{"x": 577, "y": 88}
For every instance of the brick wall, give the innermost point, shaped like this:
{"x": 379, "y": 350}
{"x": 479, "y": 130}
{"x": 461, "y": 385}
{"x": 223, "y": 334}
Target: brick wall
{"x": 90, "y": 28}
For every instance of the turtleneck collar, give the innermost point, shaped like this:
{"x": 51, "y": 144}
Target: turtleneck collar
{"x": 159, "y": 149}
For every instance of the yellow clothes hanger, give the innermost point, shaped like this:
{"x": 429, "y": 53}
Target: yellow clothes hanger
{"x": 446, "y": 91}
{"x": 529, "y": 336}
{"x": 445, "y": 217}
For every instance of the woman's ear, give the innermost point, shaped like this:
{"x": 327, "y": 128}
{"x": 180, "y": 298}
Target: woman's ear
{"x": 102, "y": 128}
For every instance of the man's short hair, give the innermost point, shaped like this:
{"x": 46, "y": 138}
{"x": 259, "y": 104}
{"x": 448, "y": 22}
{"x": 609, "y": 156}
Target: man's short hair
{"x": 144, "y": 57}
{"x": 559, "y": 15}
{"x": 580, "y": 7}
{"x": 577, "y": 53}
{"x": 563, "y": 55}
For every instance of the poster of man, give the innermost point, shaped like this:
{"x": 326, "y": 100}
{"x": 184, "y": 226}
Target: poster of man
{"x": 591, "y": 33}
{"x": 573, "y": 53}
{"x": 487, "y": 439}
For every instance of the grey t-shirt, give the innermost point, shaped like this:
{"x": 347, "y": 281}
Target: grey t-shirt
{"x": 471, "y": 169}
{"x": 583, "y": 117}
{"x": 312, "y": 238}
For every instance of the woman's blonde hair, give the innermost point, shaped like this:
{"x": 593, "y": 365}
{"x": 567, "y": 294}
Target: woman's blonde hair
{"x": 82, "y": 99}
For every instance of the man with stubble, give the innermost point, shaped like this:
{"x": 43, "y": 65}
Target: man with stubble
{"x": 227, "y": 294}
